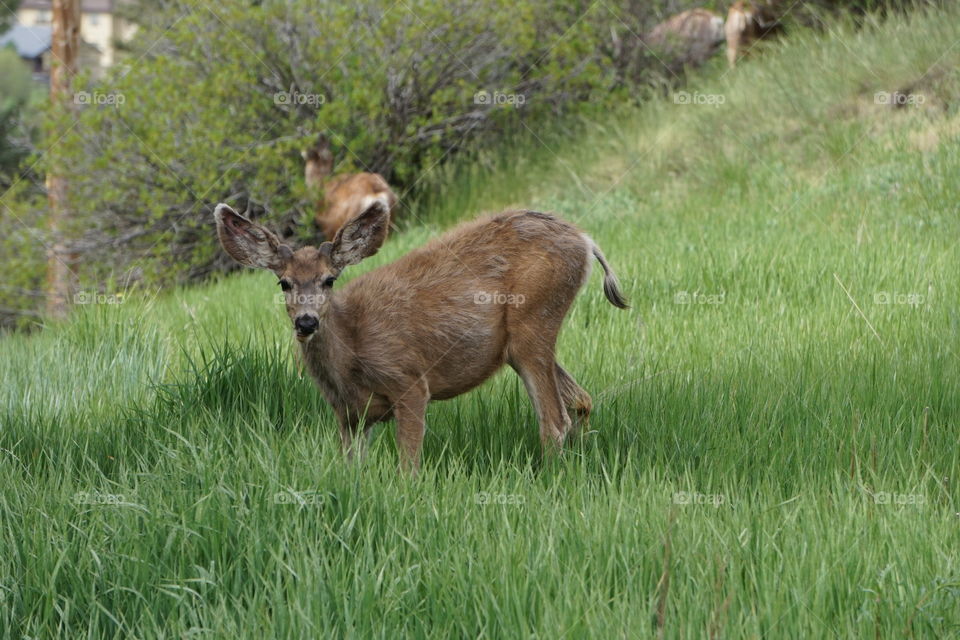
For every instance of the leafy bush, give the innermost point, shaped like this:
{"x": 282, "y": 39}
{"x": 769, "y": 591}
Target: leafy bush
{"x": 16, "y": 89}
{"x": 8, "y": 12}
{"x": 218, "y": 106}
{"x": 214, "y": 103}
{"x": 21, "y": 271}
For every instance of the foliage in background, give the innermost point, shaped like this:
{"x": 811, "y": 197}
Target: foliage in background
{"x": 16, "y": 88}
{"x": 21, "y": 108}
{"x": 214, "y": 102}
{"x": 8, "y": 11}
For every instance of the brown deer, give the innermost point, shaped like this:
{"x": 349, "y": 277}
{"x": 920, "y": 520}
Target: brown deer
{"x": 689, "y": 38}
{"x": 344, "y": 196}
{"x": 435, "y": 323}
{"x": 746, "y": 23}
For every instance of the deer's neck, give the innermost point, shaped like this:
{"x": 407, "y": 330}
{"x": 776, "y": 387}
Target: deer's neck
{"x": 317, "y": 172}
{"x": 328, "y": 355}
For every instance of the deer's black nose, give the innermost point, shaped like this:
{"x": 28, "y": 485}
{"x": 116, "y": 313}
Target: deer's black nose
{"x": 306, "y": 324}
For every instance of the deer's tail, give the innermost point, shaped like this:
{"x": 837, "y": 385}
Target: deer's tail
{"x": 611, "y": 286}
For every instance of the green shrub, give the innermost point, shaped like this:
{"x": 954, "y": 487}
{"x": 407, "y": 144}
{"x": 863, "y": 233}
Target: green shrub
{"x": 214, "y": 103}
{"x": 218, "y": 106}
{"x": 16, "y": 90}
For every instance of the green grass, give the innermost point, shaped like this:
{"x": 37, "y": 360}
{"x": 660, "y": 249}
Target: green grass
{"x": 774, "y": 448}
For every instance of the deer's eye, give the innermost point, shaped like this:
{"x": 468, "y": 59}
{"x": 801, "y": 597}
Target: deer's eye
{"x": 329, "y": 280}
{"x": 285, "y": 285}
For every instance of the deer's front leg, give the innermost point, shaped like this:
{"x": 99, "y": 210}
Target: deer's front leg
{"x": 354, "y": 437}
{"x": 349, "y": 443}
{"x": 410, "y": 410}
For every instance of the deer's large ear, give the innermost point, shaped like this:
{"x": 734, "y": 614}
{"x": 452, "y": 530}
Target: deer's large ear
{"x": 249, "y": 243}
{"x": 362, "y": 236}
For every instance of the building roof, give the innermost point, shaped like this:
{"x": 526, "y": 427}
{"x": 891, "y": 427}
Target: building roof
{"x": 87, "y": 6}
{"x": 29, "y": 42}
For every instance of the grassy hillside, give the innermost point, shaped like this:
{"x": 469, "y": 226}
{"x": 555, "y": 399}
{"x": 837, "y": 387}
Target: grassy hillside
{"x": 774, "y": 448}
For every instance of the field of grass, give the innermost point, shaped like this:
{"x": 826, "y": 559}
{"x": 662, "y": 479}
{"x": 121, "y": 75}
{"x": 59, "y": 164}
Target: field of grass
{"x": 774, "y": 451}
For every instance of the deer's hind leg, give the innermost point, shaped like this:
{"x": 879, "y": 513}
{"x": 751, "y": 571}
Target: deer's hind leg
{"x": 531, "y": 356}
{"x": 575, "y": 398}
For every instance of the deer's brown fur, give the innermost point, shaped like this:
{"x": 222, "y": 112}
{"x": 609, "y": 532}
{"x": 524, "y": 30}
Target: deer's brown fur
{"x": 435, "y": 323}
{"x": 345, "y": 195}
{"x": 746, "y": 23}
{"x": 687, "y": 38}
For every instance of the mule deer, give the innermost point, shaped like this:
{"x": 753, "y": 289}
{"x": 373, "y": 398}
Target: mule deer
{"x": 747, "y": 22}
{"x": 435, "y": 323}
{"x": 689, "y": 38}
{"x": 344, "y": 196}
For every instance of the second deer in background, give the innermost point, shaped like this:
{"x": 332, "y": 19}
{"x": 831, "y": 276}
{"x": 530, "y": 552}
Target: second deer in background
{"x": 344, "y": 196}
{"x": 748, "y": 22}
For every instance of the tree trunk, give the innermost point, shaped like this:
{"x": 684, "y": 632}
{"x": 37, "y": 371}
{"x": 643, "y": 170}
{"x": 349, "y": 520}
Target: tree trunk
{"x": 65, "y": 49}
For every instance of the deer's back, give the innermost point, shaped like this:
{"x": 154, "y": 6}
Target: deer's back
{"x": 508, "y": 250}
{"x": 344, "y": 197}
